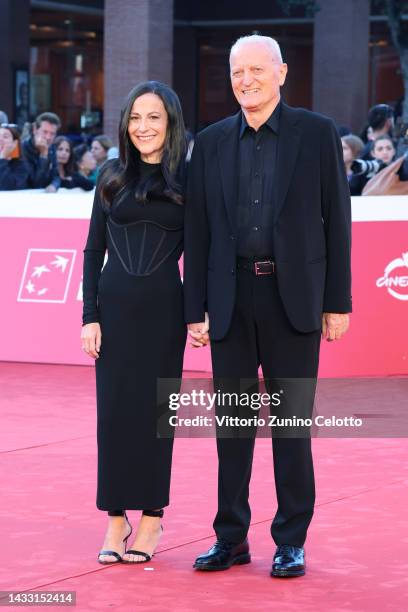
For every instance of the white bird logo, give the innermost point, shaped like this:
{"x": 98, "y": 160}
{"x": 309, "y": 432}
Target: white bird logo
{"x": 60, "y": 262}
{"x": 38, "y": 270}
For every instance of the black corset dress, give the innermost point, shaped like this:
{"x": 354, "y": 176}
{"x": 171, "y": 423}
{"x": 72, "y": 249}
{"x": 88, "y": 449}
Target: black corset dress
{"x": 138, "y": 300}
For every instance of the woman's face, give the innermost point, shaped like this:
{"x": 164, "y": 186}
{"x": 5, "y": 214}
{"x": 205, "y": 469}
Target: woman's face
{"x": 87, "y": 163}
{"x": 6, "y": 140}
{"x": 63, "y": 152}
{"x": 147, "y": 127}
{"x": 383, "y": 150}
{"x": 98, "y": 152}
{"x": 347, "y": 152}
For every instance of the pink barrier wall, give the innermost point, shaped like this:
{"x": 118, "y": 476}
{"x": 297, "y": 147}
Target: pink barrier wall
{"x": 41, "y": 297}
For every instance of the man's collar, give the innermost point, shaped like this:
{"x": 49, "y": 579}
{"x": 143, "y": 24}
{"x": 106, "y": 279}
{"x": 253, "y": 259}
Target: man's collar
{"x": 272, "y": 122}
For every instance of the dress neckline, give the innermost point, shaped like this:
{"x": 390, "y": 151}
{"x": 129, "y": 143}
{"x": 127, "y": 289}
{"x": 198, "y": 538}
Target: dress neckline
{"x": 149, "y": 165}
{"x": 147, "y": 170}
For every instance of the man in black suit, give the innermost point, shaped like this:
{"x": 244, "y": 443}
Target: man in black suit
{"x": 267, "y": 255}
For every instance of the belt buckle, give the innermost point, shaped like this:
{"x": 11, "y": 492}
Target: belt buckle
{"x": 258, "y": 271}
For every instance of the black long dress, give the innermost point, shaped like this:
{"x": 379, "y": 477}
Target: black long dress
{"x": 137, "y": 298}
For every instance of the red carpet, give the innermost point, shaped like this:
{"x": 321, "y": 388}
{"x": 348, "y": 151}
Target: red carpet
{"x": 51, "y": 530}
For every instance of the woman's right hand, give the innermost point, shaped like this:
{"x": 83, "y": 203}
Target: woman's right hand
{"x": 91, "y": 338}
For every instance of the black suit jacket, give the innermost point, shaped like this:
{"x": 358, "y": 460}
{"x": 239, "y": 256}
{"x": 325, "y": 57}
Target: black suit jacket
{"x": 312, "y": 225}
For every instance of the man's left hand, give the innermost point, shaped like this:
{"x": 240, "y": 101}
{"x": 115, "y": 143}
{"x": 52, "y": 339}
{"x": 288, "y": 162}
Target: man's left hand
{"x": 334, "y": 325}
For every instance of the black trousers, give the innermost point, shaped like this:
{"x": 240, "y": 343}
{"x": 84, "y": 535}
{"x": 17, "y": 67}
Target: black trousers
{"x": 261, "y": 334}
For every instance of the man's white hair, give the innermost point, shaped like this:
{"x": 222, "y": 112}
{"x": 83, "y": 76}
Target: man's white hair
{"x": 257, "y": 38}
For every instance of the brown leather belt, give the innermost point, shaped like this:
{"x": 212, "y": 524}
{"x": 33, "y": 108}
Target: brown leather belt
{"x": 259, "y": 267}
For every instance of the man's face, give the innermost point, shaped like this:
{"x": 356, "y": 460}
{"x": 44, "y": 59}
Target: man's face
{"x": 256, "y": 76}
{"x": 47, "y": 131}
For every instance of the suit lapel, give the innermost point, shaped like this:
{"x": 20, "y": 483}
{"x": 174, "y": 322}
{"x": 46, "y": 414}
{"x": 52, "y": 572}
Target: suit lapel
{"x": 228, "y": 160}
{"x": 288, "y": 149}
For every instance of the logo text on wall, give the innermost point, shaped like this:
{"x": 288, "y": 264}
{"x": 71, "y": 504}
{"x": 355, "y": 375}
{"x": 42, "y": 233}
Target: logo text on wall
{"x": 396, "y": 283}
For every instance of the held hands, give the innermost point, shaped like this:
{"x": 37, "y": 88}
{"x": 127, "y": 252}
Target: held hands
{"x": 198, "y": 333}
{"x": 91, "y": 338}
{"x": 334, "y": 325}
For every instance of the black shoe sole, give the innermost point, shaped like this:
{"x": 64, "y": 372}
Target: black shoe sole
{"x": 287, "y": 573}
{"x": 238, "y": 560}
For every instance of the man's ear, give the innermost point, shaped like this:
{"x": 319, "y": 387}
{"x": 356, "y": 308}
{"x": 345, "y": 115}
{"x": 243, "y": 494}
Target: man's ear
{"x": 283, "y": 71}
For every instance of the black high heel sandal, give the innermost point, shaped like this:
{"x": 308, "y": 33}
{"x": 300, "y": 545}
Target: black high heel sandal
{"x": 113, "y": 553}
{"x": 140, "y": 553}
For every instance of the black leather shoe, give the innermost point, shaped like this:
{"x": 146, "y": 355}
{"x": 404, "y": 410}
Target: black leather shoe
{"x": 222, "y": 555}
{"x": 288, "y": 561}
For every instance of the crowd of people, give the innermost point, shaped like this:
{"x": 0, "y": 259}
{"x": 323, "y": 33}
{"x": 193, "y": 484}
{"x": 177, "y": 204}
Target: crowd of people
{"x": 40, "y": 159}
{"x": 375, "y": 162}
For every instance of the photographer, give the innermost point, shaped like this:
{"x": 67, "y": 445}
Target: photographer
{"x": 39, "y": 151}
{"x": 383, "y": 153}
{"x": 392, "y": 178}
{"x": 383, "y": 150}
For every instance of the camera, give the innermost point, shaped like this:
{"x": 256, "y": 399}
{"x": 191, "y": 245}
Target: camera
{"x": 367, "y": 168}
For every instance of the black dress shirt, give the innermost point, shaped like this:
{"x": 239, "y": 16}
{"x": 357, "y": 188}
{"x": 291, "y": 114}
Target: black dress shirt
{"x": 257, "y": 160}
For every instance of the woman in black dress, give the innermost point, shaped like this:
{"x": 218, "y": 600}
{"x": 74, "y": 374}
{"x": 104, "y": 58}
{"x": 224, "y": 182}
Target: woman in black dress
{"x": 133, "y": 324}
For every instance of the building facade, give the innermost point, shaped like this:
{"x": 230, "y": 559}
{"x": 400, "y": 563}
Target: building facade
{"x": 79, "y": 58}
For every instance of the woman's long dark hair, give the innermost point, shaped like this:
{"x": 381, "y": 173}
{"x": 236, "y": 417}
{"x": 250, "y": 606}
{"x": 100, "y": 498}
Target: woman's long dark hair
{"x": 115, "y": 177}
{"x": 70, "y": 166}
